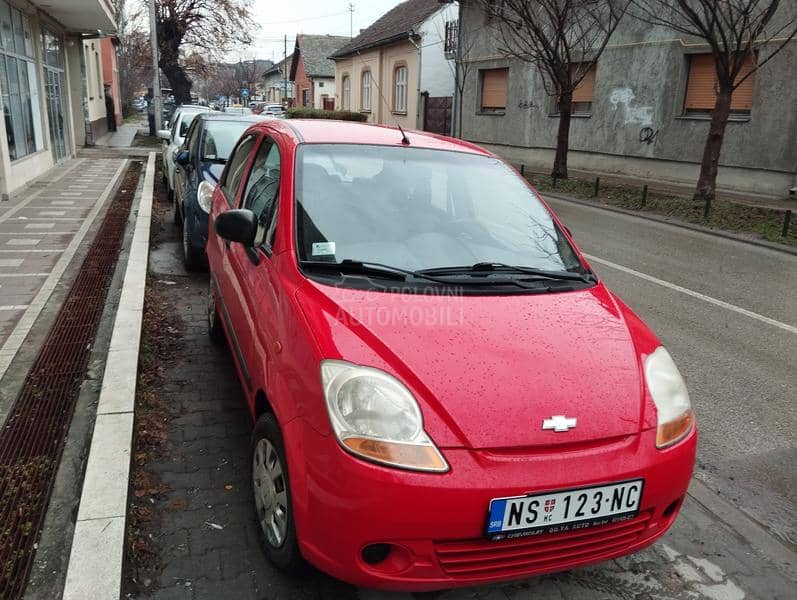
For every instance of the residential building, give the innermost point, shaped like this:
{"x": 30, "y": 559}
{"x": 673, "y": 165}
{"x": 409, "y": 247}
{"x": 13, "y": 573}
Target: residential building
{"x": 642, "y": 111}
{"x": 313, "y": 72}
{"x": 276, "y": 83}
{"x": 396, "y": 70}
{"x": 41, "y": 83}
{"x": 110, "y": 74}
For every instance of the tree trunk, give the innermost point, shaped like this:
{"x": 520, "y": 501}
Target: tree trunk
{"x": 169, "y": 63}
{"x": 563, "y": 136}
{"x": 707, "y": 182}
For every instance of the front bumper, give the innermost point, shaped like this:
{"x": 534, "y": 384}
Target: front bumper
{"x": 434, "y": 523}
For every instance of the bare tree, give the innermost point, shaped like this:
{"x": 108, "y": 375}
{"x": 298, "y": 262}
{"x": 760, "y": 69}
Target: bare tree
{"x": 740, "y": 38}
{"x": 135, "y": 69}
{"x": 207, "y": 26}
{"x": 458, "y": 45}
{"x": 562, "y": 39}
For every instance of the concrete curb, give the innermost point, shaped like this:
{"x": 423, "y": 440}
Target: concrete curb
{"x": 682, "y": 224}
{"x": 98, "y": 544}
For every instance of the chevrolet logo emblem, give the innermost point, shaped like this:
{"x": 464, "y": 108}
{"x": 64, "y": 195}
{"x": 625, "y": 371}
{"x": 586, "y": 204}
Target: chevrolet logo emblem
{"x": 558, "y": 423}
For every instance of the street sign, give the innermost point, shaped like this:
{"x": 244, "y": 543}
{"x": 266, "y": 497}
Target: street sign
{"x": 244, "y": 93}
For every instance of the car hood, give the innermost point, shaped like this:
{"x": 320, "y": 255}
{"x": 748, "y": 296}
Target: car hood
{"x": 487, "y": 371}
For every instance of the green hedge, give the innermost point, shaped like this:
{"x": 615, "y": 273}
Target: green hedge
{"x": 304, "y": 112}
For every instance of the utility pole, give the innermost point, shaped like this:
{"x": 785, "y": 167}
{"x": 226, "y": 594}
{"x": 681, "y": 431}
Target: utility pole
{"x": 351, "y": 20}
{"x": 156, "y": 74}
{"x": 285, "y": 71}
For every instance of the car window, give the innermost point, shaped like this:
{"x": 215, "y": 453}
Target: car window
{"x": 262, "y": 189}
{"x": 175, "y": 124}
{"x": 236, "y": 166}
{"x": 185, "y": 122}
{"x": 219, "y": 139}
{"x": 192, "y": 141}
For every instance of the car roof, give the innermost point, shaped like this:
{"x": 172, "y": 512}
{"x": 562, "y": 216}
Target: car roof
{"x": 328, "y": 131}
{"x": 220, "y": 116}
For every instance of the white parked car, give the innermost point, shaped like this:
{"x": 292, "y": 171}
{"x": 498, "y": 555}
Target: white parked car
{"x": 174, "y": 137}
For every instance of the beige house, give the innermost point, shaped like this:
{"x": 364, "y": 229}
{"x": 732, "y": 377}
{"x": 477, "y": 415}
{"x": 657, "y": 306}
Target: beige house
{"x": 396, "y": 69}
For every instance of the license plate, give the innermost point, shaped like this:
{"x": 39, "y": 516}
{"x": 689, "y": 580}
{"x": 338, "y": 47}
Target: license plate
{"x": 566, "y": 510}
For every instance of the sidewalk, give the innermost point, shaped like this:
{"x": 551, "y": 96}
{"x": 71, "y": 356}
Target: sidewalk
{"x": 40, "y": 231}
{"x": 122, "y": 137}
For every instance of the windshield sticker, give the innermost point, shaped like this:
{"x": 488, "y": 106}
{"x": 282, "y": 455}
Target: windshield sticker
{"x": 323, "y": 248}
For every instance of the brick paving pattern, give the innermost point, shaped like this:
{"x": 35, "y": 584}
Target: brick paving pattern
{"x": 36, "y": 227}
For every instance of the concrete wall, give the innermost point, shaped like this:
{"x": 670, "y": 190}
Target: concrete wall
{"x": 92, "y": 53}
{"x": 323, "y": 86}
{"x": 437, "y": 74}
{"x": 637, "y": 125}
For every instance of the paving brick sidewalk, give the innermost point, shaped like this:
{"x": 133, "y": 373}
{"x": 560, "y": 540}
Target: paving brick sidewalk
{"x": 204, "y": 536}
{"x": 37, "y": 226}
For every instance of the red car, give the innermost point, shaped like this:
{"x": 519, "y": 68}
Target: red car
{"x": 444, "y": 393}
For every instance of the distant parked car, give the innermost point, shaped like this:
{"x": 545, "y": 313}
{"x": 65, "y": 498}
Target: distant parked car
{"x": 173, "y": 138}
{"x": 275, "y": 110}
{"x": 199, "y": 163}
{"x": 139, "y": 104}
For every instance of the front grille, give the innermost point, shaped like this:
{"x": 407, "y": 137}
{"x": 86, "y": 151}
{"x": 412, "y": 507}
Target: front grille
{"x": 483, "y": 558}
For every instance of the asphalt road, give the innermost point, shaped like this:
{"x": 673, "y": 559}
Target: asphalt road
{"x": 741, "y": 369}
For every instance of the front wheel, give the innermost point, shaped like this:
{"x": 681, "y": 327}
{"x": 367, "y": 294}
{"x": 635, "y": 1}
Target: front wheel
{"x": 191, "y": 258}
{"x": 178, "y": 216}
{"x": 271, "y": 487}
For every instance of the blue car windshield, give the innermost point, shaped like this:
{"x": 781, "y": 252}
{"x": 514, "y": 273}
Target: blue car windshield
{"x": 419, "y": 209}
{"x": 220, "y": 138}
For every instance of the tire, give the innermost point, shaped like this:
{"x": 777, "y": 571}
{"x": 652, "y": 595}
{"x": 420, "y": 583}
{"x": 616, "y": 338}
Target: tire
{"x": 271, "y": 488}
{"x": 215, "y": 328}
{"x": 178, "y": 216}
{"x": 191, "y": 258}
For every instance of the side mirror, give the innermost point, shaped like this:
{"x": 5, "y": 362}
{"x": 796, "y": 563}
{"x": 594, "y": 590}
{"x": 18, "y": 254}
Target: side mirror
{"x": 183, "y": 158}
{"x": 164, "y": 134}
{"x": 237, "y": 225}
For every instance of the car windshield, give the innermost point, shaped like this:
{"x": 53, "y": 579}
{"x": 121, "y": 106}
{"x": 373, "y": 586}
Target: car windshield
{"x": 220, "y": 138}
{"x": 416, "y": 209}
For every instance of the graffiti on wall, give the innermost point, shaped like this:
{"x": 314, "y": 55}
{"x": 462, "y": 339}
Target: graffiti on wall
{"x": 647, "y": 135}
{"x": 633, "y": 114}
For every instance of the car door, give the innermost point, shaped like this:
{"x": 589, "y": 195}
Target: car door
{"x": 183, "y": 173}
{"x": 253, "y": 268}
{"x": 168, "y": 153}
{"x": 226, "y": 286}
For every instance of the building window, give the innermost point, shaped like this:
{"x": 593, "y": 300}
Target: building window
{"x": 366, "y": 91}
{"x": 494, "y": 89}
{"x": 701, "y": 87}
{"x": 99, "y": 74}
{"x": 305, "y": 97}
{"x": 451, "y": 39}
{"x": 346, "y": 92}
{"x": 19, "y": 83}
{"x": 400, "y": 89}
{"x": 581, "y": 103}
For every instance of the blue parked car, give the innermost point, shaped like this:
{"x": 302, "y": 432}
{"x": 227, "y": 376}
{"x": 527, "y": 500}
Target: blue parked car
{"x": 198, "y": 166}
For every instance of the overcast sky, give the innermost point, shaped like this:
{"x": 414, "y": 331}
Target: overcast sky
{"x": 278, "y": 18}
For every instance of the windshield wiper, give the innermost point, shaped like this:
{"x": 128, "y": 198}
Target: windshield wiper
{"x": 494, "y": 267}
{"x": 358, "y": 267}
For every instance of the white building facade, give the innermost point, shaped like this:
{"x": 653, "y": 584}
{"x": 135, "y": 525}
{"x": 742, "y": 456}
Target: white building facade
{"x": 42, "y": 67}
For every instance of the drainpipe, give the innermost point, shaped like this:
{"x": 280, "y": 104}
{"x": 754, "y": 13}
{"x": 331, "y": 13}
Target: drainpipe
{"x": 418, "y": 91}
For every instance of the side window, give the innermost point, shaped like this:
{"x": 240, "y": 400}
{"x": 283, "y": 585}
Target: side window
{"x": 192, "y": 141}
{"x": 236, "y": 166}
{"x": 175, "y": 124}
{"x": 262, "y": 191}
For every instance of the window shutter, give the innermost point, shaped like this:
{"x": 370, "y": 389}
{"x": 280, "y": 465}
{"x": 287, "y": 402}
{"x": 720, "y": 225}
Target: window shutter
{"x": 494, "y": 83}
{"x": 701, "y": 88}
{"x": 742, "y": 99}
{"x": 586, "y": 88}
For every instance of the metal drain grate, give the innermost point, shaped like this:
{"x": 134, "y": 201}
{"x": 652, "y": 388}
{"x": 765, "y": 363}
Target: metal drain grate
{"x": 33, "y": 437}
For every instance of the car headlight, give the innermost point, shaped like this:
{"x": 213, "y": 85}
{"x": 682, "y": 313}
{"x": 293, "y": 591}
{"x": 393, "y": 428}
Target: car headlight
{"x": 375, "y": 416}
{"x": 668, "y": 390}
{"x": 204, "y": 196}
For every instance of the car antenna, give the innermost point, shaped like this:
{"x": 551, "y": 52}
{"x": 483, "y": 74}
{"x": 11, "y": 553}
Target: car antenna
{"x": 404, "y": 139}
